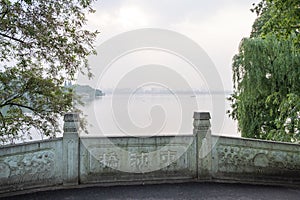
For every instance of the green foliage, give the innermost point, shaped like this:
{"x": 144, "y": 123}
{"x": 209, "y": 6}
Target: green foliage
{"x": 42, "y": 45}
{"x": 279, "y": 17}
{"x": 266, "y": 74}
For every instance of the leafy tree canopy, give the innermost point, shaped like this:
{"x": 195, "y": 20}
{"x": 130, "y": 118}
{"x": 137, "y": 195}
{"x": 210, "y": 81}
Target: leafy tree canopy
{"x": 279, "y": 17}
{"x": 42, "y": 45}
{"x": 266, "y": 72}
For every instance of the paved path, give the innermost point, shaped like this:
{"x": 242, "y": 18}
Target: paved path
{"x": 211, "y": 191}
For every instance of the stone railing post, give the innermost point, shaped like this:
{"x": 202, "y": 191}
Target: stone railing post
{"x": 203, "y": 137}
{"x": 70, "y": 149}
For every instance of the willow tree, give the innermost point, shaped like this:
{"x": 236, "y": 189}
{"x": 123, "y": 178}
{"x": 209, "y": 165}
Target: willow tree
{"x": 266, "y": 73}
{"x": 42, "y": 45}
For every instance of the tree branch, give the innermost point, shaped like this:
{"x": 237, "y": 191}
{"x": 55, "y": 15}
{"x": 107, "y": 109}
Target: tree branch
{"x": 19, "y": 105}
{"x": 11, "y": 99}
{"x": 3, "y": 119}
{"x": 12, "y": 38}
{"x": 4, "y": 13}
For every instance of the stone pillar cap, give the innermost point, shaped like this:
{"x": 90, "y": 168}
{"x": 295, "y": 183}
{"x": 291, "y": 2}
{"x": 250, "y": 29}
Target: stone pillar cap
{"x": 202, "y": 115}
{"x": 71, "y": 117}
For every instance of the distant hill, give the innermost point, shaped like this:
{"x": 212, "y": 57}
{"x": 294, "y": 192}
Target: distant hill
{"x": 86, "y": 90}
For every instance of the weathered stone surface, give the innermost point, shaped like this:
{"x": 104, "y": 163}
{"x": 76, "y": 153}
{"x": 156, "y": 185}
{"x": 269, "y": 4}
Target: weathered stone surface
{"x": 27, "y": 167}
{"x": 136, "y": 159}
{"x": 201, "y": 116}
{"x": 70, "y": 150}
{"x": 203, "y": 134}
{"x": 256, "y": 160}
{"x": 71, "y": 117}
{"x": 30, "y": 165}
{"x": 72, "y": 160}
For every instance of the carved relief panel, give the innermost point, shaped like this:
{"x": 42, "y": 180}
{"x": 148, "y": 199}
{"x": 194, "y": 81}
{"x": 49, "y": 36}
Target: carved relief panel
{"x": 137, "y": 160}
{"x": 27, "y": 167}
{"x": 247, "y": 159}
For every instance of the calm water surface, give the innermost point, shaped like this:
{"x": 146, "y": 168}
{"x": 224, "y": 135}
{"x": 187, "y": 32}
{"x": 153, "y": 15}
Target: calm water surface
{"x": 149, "y": 115}
{"x": 155, "y": 114}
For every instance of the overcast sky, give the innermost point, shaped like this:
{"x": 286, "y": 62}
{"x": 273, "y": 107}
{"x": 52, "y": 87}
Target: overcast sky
{"x": 216, "y": 25}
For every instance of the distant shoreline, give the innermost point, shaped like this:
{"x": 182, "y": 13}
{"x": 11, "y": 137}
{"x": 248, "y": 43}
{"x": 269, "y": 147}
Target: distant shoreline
{"x": 175, "y": 92}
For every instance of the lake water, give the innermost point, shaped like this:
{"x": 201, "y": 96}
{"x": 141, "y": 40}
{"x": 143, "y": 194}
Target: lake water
{"x": 149, "y": 115}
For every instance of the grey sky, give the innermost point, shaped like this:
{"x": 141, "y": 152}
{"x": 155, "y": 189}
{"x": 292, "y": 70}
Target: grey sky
{"x": 216, "y": 25}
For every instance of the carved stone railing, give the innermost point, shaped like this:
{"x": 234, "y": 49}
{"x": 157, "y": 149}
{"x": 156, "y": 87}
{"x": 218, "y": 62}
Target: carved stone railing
{"x": 201, "y": 156}
{"x": 71, "y": 149}
{"x": 202, "y": 130}
{"x": 31, "y": 165}
{"x": 256, "y": 161}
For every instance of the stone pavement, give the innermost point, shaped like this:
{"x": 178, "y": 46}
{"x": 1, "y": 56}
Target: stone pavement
{"x": 211, "y": 191}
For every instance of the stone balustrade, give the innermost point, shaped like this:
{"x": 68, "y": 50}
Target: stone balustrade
{"x": 200, "y": 156}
